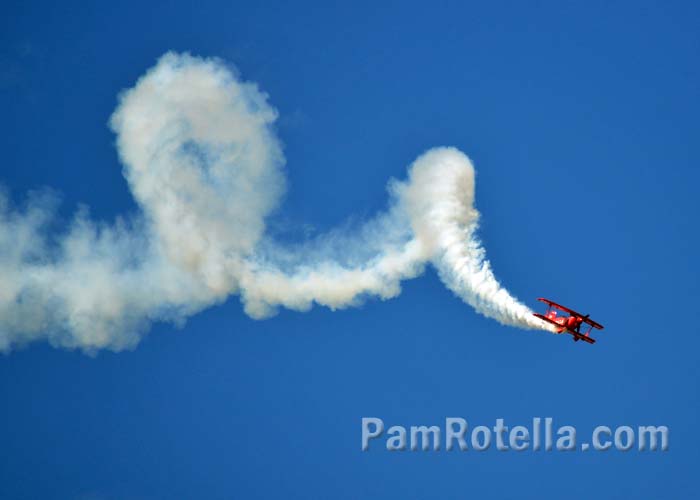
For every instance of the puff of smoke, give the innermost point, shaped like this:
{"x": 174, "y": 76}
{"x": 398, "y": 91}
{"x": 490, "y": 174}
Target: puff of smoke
{"x": 205, "y": 169}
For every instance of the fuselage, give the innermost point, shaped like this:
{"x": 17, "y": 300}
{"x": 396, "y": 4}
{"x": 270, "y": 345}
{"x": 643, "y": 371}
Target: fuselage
{"x": 571, "y": 323}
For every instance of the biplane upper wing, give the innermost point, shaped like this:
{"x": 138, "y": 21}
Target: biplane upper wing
{"x": 585, "y": 318}
{"x": 592, "y": 323}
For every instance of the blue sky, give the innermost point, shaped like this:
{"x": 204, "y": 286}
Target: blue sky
{"x": 581, "y": 119}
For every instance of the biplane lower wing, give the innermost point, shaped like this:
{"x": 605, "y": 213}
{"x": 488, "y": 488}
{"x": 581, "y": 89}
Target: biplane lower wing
{"x": 545, "y": 318}
{"x": 585, "y": 338}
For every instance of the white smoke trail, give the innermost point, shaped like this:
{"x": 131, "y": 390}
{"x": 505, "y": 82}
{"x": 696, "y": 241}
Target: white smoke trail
{"x": 205, "y": 168}
{"x": 439, "y": 197}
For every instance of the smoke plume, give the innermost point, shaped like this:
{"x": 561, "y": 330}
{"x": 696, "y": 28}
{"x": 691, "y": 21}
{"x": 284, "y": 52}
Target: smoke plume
{"x": 206, "y": 170}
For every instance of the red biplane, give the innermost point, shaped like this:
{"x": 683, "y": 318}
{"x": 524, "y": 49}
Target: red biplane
{"x": 569, "y": 324}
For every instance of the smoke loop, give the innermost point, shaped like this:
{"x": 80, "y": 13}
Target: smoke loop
{"x": 205, "y": 168}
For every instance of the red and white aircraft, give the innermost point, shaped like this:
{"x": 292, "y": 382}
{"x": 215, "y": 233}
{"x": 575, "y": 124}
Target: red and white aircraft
{"x": 569, "y": 324}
